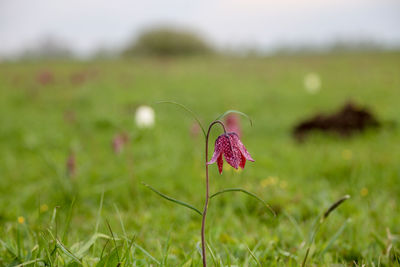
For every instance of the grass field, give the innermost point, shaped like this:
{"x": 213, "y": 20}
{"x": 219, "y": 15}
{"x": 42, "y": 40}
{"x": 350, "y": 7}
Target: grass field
{"x": 49, "y": 111}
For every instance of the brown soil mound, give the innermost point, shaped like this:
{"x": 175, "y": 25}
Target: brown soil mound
{"x": 346, "y": 121}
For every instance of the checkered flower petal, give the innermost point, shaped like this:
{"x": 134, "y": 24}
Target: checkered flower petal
{"x": 231, "y": 148}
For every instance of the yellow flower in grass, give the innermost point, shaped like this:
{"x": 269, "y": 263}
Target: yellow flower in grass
{"x": 44, "y": 208}
{"x": 21, "y": 220}
{"x": 364, "y": 192}
{"x": 264, "y": 183}
{"x": 225, "y": 238}
{"x": 271, "y": 180}
{"x": 283, "y": 184}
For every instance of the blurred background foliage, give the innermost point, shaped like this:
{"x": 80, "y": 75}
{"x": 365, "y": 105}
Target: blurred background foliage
{"x": 167, "y": 42}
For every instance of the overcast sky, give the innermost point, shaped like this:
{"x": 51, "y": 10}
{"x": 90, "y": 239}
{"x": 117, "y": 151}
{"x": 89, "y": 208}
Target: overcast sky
{"x": 87, "y": 24}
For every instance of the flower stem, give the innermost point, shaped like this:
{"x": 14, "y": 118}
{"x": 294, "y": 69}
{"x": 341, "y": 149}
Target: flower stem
{"x": 203, "y": 221}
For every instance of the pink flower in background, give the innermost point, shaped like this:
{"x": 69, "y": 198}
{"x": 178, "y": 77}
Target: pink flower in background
{"x": 71, "y": 165}
{"x": 232, "y": 122}
{"x": 78, "y": 78}
{"x": 83, "y": 76}
{"x": 195, "y": 129}
{"x": 69, "y": 116}
{"x": 119, "y": 141}
{"x": 45, "y": 77}
{"x": 230, "y": 146}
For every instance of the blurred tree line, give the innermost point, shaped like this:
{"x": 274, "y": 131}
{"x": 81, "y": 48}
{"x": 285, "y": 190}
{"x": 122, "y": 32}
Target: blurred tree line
{"x": 167, "y": 42}
{"x": 159, "y": 42}
{"x": 173, "y": 41}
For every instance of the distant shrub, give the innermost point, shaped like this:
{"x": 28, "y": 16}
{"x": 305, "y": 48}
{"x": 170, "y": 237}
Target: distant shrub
{"x": 168, "y": 42}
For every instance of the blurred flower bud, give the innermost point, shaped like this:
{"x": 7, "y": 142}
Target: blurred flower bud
{"x": 312, "y": 83}
{"x": 119, "y": 141}
{"x": 144, "y": 117}
{"x": 45, "y": 77}
{"x": 232, "y": 122}
{"x": 71, "y": 165}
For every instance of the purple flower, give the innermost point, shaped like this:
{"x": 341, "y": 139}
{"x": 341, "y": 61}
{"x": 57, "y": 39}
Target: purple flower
{"x": 119, "y": 141}
{"x": 45, "y": 77}
{"x": 71, "y": 165}
{"x": 233, "y": 150}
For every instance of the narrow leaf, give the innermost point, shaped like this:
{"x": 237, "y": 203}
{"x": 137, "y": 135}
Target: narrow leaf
{"x": 188, "y": 110}
{"x": 68, "y": 221}
{"x": 335, "y": 205}
{"x": 28, "y": 262}
{"x": 96, "y": 229}
{"x": 254, "y": 257}
{"x": 334, "y": 237}
{"x": 172, "y": 199}
{"x": 67, "y": 252}
{"x": 319, "y": 221}
{"x": 188, "y": 263}
{"x": 295, "y": 224}
{"x": 146, "y": 253}
{"x": 237, "y": 112}
{"x": 128, "y": 250}
{"x": 246, "y": 192}
{"x": 167, "y": 245}
{"x": 112, "y": 235}
{"x": 64, "y": 249}
{"x": 86, "y": 246}
{"x": 214, "y": 259}
{"x": 305, "y": 257}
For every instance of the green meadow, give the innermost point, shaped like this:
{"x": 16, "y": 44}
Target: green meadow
{"x": 101, "y": 214}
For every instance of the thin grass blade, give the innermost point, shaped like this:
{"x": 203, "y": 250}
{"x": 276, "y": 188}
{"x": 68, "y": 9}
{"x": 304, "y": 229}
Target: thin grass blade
{"x": 68, "y": 221}
{"x": 294, "y": 223}
{"x": 173, "y": 199}
{"x": 64, "y": 249}
{"x": 146, "y": 253}
{"x": 335, "y": 206}
{"x": 115, "y": 243}
{"x": 254, "y": 257}
{"x": 237, "y": 112}
{"x": 96, "y": 229}
{"x": 246, "y": 192}
{"x": 128, "y": 249}
{"x": 214, "y": 259}
{"x": 334, "y": 237}
{"x": 318, "y": 222}
{"x": 28, "y": 262}
{"x": 188, "y": 110}
{"x": 86, "y": 246}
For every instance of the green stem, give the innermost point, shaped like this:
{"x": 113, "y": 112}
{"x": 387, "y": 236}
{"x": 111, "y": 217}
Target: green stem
{"x": 203, "y": 221}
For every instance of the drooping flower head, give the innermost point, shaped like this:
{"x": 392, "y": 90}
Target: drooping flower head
{"x": 231, "y": 148}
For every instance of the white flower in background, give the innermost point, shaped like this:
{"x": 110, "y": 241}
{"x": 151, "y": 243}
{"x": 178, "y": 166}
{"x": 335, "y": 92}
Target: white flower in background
{"x": 312, "y": 82}
{"x": 144, "y": 117}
